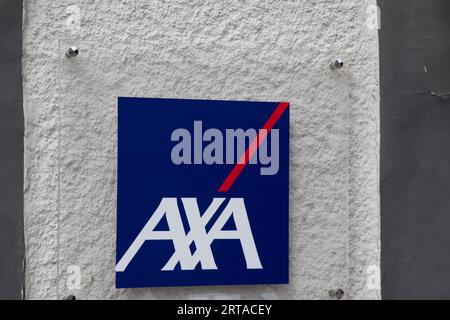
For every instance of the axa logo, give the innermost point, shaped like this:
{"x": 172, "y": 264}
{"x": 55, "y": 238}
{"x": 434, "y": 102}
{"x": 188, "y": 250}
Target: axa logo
{"x": 198, "y": 234}
{"x": 216, "y": 174}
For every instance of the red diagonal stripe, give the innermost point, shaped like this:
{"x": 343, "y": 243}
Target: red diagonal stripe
{"x": 254, "y": 145}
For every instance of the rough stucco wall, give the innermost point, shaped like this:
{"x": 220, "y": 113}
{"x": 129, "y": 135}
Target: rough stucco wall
{"x": 310, "y": 28}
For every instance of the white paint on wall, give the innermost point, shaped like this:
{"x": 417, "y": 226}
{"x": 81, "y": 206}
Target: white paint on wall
{"x": 309, "y": 30}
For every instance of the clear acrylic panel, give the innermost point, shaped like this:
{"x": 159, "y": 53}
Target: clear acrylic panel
{"x": 89, "y": 85}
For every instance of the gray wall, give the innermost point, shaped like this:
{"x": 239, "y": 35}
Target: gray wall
{"x": 11, "y": 151}
{"x": 415, "y": 149}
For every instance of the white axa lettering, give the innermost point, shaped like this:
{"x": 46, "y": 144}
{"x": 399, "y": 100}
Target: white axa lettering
{"x": 202, "y": 239}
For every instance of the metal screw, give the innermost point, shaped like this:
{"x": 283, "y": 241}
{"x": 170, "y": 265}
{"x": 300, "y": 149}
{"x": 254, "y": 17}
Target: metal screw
{"x": 338, "y": 294}
{"x": 338, "y": 64}
{"x": 72, "y": 52}
{"x": 70, "y": 297}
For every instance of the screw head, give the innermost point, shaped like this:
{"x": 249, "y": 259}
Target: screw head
{"x": 332, "y": 293}
{"x": 339, "y": 294}
{"x": 338, "y": 64}
{"x": 72, "y": 52}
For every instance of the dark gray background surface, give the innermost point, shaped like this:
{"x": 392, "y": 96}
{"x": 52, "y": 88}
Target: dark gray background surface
{"x": 415, "y": 149}
{"x": 11, "y": 151}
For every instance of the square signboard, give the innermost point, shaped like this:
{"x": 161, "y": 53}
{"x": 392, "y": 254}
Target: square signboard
{"x": 203, "y": 192}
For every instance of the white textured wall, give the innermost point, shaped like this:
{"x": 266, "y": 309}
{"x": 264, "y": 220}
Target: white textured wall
{"x": 307, "y": 36}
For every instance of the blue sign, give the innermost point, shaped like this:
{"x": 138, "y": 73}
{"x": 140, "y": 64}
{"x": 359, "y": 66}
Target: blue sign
{"x": 203, "y": 193}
